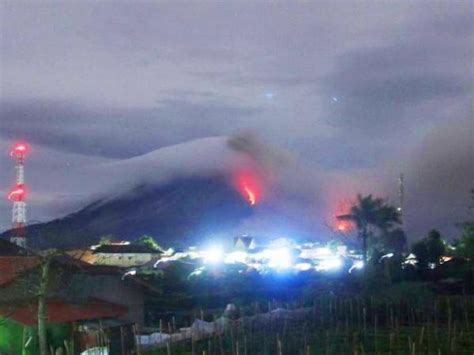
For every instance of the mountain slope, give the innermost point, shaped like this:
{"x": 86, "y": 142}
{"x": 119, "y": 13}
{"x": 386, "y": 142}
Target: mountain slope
{"x": 177, "y": 213}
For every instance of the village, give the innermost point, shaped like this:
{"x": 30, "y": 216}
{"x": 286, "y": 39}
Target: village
{"x": 96, "y": 299}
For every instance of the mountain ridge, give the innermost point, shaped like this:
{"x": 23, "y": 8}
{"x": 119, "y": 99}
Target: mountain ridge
{"x": 183, "y": 211}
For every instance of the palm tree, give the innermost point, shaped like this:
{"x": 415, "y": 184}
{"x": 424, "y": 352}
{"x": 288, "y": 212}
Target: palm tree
{"x": 369, "y": 212}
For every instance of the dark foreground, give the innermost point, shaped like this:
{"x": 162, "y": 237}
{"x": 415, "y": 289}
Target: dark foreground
{"x": 342, "y": 325}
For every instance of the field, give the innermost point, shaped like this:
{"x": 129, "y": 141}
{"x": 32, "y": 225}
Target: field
{"x": 342, "y": 325}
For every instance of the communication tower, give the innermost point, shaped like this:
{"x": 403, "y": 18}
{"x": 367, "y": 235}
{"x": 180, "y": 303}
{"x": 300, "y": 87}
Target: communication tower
{"x": 401, "y": 195}
{"x": 18, "y": 195}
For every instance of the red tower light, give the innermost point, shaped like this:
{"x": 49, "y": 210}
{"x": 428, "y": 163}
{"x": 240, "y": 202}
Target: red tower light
{"x": 19, "y": 150}
{"x": 17, "y": 193}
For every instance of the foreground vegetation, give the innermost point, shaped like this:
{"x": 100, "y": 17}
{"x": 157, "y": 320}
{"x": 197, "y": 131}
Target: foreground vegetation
{"x": 384, "y": 309}
{"x": 347, "y": 325}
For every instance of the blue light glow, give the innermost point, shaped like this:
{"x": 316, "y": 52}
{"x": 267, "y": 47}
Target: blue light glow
{"x": 269, "y": 95}
{"x": 278, "y": 258}
{"x": 213, "y": 255}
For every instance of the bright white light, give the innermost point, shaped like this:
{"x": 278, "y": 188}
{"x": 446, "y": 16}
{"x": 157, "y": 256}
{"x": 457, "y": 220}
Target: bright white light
{"x": 323, "y": 251}
{"x": 236, "y": 257}
{"x": 389, "y": 255}
{"x": 358, "y": 264}
{"x": 412, "y": 262}
{"x": 278, "y": 258}
{"x": 269, "y": 95}
{"x": 168, "y": 252}
{"x": 213, "y": 255}
{"x": 303, "y": 266}
{"x": 445, "y": 259}
{"x": 131, "y": 272}
{"x": 197, "y": 272}
{"x": 329, "y": 264}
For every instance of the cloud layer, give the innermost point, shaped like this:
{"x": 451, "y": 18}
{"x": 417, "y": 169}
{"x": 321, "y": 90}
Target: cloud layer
{"x": 355, "y": 92}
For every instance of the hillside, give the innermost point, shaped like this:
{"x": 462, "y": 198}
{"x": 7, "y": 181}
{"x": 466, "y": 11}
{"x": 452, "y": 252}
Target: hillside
{"x": 176, "y": 213}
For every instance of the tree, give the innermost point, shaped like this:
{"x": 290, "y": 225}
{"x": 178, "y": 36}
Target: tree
{"x": 421, "y": 251}
{"x": 106, "y": 239}
{"x": 465, "y": 244}
{"x": 430, "y": 249}
{"x": 370, "y": 214}
{"x": 150, "y": 242}
{"x": 34, "y": 285}
{"x": 435, "y": 246}
{"x": 394, "y": 241}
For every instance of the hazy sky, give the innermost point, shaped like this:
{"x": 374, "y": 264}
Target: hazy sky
{"x": 355, "y": 91}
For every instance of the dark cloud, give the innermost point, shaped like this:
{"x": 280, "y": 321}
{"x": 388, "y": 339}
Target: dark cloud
{"x": 381, "y": 105}
{"x": 118, "y": 133}
{"x": 440, "y": 175}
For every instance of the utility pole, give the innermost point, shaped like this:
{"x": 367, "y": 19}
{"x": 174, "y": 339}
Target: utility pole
{"x": 401, "y": 195}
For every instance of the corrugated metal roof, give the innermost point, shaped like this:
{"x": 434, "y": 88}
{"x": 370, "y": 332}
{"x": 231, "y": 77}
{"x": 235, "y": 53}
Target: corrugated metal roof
{"x": 126, "y": 248}
{"x": 12, "y": 266}
{"x": 61, "y": 311}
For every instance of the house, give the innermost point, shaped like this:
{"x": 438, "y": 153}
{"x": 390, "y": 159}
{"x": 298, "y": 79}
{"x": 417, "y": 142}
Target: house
{"x": 244, "y": 243}
{"x": 81, "y": 299}
{"x": 121, "y": 254}
{"x": 18, "y": 323}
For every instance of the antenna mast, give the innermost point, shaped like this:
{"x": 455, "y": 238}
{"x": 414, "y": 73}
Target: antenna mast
{"x": 18, "y": 194}
{"x": 401, "y": 195}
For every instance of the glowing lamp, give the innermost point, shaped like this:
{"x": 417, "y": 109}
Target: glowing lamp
{"x": 329, "y": 264}
{"x": 389, "y": 255}
{"x": 236, "y": 257}
{"x": 279, "y": 258}
{"x": 303, "y": 266}
{"x": 357, "y": 265}
{"x": 213, "y": 255}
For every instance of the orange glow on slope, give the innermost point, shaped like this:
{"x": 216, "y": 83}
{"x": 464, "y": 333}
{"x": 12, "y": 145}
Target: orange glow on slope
{"x": 341, "y": 208}
{"x": 249, "y": 186}
{"x": 341, "y": 227}
{"x": 250, "y": 195}
{"x": 17, "y": 193}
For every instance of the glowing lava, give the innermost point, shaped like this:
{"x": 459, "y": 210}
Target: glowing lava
{"x": 249, "y": 186}
{"x": 250, "y": 195}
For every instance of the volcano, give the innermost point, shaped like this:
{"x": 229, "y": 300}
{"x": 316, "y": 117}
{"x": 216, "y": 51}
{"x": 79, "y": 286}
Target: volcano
{"x": 177, "y": 213}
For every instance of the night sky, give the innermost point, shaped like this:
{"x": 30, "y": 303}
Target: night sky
{"x": 347, "y": 94}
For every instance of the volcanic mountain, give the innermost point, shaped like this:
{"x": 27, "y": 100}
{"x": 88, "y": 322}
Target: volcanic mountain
{"x": 180, "y": 212}
{"x": 177, "y": 194}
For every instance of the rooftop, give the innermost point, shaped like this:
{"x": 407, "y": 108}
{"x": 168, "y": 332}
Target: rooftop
{"x": 13, "y": 266}
{"x": 62, "y": 311}
{"x": 126, "y": 248}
